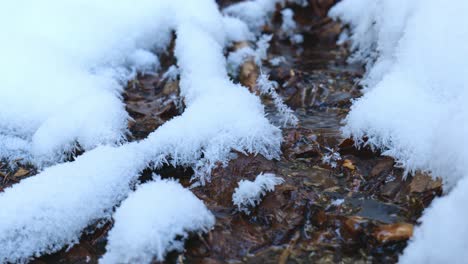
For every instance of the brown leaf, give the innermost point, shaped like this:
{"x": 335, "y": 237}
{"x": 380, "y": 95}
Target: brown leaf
{"x": 383, "y": 165}
{"x": 353, "y": 225}
{"x": 21, "y": 172}
{"x": 393, "y": 232}
{"x": 349, "y": 164}
{"x": 249, "y": 70}
{"x": 423, "y": 182}
{"x": 249, "y": 74}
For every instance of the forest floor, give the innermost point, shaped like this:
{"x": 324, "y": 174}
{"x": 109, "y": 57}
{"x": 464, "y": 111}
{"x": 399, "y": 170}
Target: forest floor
{"x": 355, "y": 208}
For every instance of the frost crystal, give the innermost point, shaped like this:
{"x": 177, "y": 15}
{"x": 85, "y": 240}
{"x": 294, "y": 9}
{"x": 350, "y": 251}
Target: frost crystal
{"x": 249, "y": 194}
{"x": 331, "y": 158}
{"x": 267, "y": 87}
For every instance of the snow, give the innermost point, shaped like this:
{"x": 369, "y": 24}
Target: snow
{"x": 171, "y": 212}
{"x": 171, "y": 74}
{"x": 264, "y": 86}
{"x": 267, "y": 87}
{"x": 337, "y": 202}
{"x": 288, "y": 23}
{"x": 238, "y": 57}
{"x": 238, "y": 29}
{"x": 289, "y": 26}
{"x": 62, "y": 73}
{"x": 78, "y": 62}
{"x": 249, "y": 194}
{"x": 276, "y": 61}
{"x": 331, "y": 157}
{"x": 442, "y": 236}
{"x": 414, "y": 105}
{"x": 48, "y": 211}
{"x": 255, "y": 12}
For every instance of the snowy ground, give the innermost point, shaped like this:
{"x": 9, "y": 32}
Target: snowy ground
{"x": 414, "y": 105}
{"x": 80, "y": 106}
{"x": 77, "y": 65}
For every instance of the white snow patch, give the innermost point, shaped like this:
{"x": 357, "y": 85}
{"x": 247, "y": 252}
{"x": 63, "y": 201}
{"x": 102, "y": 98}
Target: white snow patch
{"x": 172, "y": 73}
{"x": 63, "y": 65}
{"x": 237, "y": 58}
{"x": 337, "y": 202}
{"x": 44, "y": 213}
{"x": 296, "y": 39}
{"x": 289, "y": 27}
{"x": 414, "y": 107}
{"x": 48, "y": 211}
{"x": 238, "y": 29}
{"x": 249, "y": 193}
{"x": 255, "y": 13}
{"x": 143, "y": 61}
{"x": 276, "y": 61}
{"x": 170, "y": 213}
{"x": 288, "y": 23}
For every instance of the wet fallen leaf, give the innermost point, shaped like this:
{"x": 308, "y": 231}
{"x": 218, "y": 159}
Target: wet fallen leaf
{"x": 283, "y": 258}
{"x": 349, "y": 164}
{"x": 347, "y": 143}
{"x": 383, "y": 165}
{"x": 21, "y": 172}
{"x": 393, "y": 232}
{"x": 248, "y": 74}
{"x": 423, "y": 182}
{"x": 353, "y": 225}
{"x": 171, "y": 88}
{"x": 249, "y": 70}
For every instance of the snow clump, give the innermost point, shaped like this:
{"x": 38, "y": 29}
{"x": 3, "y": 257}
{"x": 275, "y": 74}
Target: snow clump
{"x": 249, "y": 193}
{"x": 171, "y": 213}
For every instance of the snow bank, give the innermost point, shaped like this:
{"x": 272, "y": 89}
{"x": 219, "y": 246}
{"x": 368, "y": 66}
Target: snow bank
{"x": 48, "y": 211}
{"x": 249, "y": 193}
{"x": 63, "y": 65}
{"x": 45, "y": 212}
{"x": 414, "y": 105}
{"x": 171, "y": 212}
